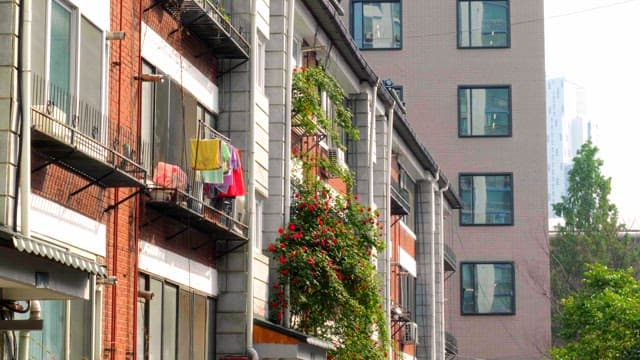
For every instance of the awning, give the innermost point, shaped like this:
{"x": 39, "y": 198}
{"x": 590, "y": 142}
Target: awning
{"x": 63, "y": 256}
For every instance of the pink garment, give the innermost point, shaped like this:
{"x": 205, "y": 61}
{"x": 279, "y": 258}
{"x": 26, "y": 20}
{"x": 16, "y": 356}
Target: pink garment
{"x": 170, "y": 176}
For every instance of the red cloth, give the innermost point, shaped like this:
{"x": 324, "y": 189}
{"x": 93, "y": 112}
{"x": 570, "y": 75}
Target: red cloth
{"x": 170, "y": 176}
{"x": 237, "y": 188}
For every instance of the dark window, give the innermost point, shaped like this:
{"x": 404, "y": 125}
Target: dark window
{"x": 408, "y": 293}
{"x": 176, "y": 323}
{"x": 484, "y": 111}
{"x": 488, "y": 288}
{"x": 483, "y": 24}
{"x": 487, "y": 199}
{"x": 408, "y": 191}
{"x": 377, "y": 24}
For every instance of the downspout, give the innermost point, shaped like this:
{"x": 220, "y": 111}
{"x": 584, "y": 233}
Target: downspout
{"x": 372, "y": 134}
{"x": 432, "y": 240}
{"x": 250, "y": 204}
{"x": 387, "y": 291}
{"x": 287, "y": 121}
{"x": 441, "y": 255}
{"x": 25, "y": 154}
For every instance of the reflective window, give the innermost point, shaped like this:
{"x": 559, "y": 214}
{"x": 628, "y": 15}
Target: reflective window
{"x": 483, "y": 23}
{"x": 488, "y": 288}
{"x": 377, "y": 24}
{"x": 484, "y": 111}
{"x": 487, "y": 199}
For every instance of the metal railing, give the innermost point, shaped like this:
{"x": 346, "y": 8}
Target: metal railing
{"x": 69, "y": 119}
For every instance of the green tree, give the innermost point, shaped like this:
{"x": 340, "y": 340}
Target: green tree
{"x": 601, "y": 321}
{"x": 591, "y": 232}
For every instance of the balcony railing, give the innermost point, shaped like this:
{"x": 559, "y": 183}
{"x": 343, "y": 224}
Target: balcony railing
{"x": 183, "y": 199}
{"x": 449, "y": 258}
{"x": 205, "y": 20}
{"x": 399, "y": 200}
{"x": 71, "y": 133}
{"x": 450, "y": 346}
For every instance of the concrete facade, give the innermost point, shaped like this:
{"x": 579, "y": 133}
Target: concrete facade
{"x": 430, "y": 67}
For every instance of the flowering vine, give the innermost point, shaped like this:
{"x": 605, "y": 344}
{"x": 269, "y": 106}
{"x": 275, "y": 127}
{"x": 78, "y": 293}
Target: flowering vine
{"x": 309, "y": 85}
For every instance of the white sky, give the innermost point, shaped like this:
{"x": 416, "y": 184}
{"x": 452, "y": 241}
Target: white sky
{"x": 596, "y": 43}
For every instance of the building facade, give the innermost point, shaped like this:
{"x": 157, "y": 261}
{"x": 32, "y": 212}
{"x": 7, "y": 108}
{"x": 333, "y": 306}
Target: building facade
{"x": 567, "y": 129}
{"x": 123, "y": 237}
{"x": 472, "y": 75}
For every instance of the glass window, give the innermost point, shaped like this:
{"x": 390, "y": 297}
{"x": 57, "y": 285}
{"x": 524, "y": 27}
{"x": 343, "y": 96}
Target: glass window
{"x": 484, "y": 111}
{"x": 487, "y": 199}
{"x": 408, "y": 292}
{"x": 377, "y": 24}
{"x": 483, "y": 24}
{"x": 177, "y": 322}
{"x": 488, "y": 288}
{"x": 408, "y": 191}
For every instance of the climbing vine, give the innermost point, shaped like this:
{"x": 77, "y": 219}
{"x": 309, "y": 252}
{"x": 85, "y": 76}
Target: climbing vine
{"x": 327, "y": 280}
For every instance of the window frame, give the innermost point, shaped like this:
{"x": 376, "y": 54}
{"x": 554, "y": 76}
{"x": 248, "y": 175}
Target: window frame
{"x": 474, "y": 174}
{"x": 407, "y": 288}
{"x": 353, "y": 26}
{"x": 458, "y": 23}
{"x": 485, "y": 87}
{"x": 513, "y": 287}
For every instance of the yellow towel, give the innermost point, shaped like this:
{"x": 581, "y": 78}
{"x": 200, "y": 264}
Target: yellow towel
{"x": 205, "y": 154}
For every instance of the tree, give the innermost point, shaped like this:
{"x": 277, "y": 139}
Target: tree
{"x": 590, "y": 233}
{"x": 601, "y": 321}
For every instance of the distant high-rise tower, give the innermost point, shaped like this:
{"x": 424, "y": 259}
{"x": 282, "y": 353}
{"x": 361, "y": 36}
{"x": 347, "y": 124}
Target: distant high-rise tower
{"x": 567, "y": 129}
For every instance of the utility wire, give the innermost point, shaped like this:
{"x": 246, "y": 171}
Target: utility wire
{"x": 532, "y": 20}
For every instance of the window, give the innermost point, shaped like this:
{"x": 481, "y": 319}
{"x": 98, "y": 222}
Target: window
{"x": 67, "y": 55}
{"x": 484, "y": 111}
{"x": 483, "y": 24}
{"x": 487, "y": 199}
{"x": 408, "y": 191}
{"x": 176, "y": 323}
{"x": 65, "y": 321}
{"x": 399, "y": 90}
{"x": 377, "y": 24}
{"x": 408, "y": 292}
{"x": 488, "y": 288}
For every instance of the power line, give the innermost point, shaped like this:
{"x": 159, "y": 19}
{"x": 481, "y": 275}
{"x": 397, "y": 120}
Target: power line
{"x": 536, "y": 19}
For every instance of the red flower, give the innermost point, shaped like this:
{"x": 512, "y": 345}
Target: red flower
{"x": 292, "y": 227}
{"x": 355, "y": 197}
{"x": 283, "y": 260}
{"x": 301, "y": 68}
{"x": 280, "y": 230}
{"x": 285, "y": 272}
{"x": 311, "y": 261}
{"x": 272, "y": 247}
{"x": 297, "y": 196}
{"x": 282, "y": 246}
{"x": 294, "y": 151}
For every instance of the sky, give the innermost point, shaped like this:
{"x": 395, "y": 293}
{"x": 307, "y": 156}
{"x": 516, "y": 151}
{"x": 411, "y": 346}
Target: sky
{"x": 596, "y": 44}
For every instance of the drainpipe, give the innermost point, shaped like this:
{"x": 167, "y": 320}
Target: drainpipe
{"x": 250, "y": 203}
{"x": 287, "y": 121}
{"x": 441, "y": 252}
{"x": 387, "y": 251}
{"x": 25, "y": 153}
{"x": 432, "y": 239}
{"x": 372, "y": 134}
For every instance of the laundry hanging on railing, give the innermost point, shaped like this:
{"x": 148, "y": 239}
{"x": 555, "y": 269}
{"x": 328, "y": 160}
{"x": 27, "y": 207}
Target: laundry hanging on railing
{"x": 170, "y": 176}
{"x": 217, "y": 176}
{"x": 236, "y": 186}
{"x": 205, "y": 154}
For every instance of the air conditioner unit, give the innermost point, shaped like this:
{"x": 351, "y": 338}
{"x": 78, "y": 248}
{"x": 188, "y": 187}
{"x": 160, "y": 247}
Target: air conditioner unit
{"x": 337, "y": 157}
{"x": 410, "y": 333}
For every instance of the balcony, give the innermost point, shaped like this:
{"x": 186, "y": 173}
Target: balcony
{"x": 205, "y": 19}
{"x": 449, "y": 259}
{"x": 180, "y": 195}
{"x": 69, "y": 132}
{"x": 450, "y": 346}
{"x": 399, "y": 200}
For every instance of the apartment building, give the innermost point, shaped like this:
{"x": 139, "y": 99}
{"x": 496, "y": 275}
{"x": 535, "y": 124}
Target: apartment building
{"x": 472, "y": 75}
{"x": 129, "y": 237}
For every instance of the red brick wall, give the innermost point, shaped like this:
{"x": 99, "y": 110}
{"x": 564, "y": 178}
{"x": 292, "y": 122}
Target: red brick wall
{"x": 120, "y": 300}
